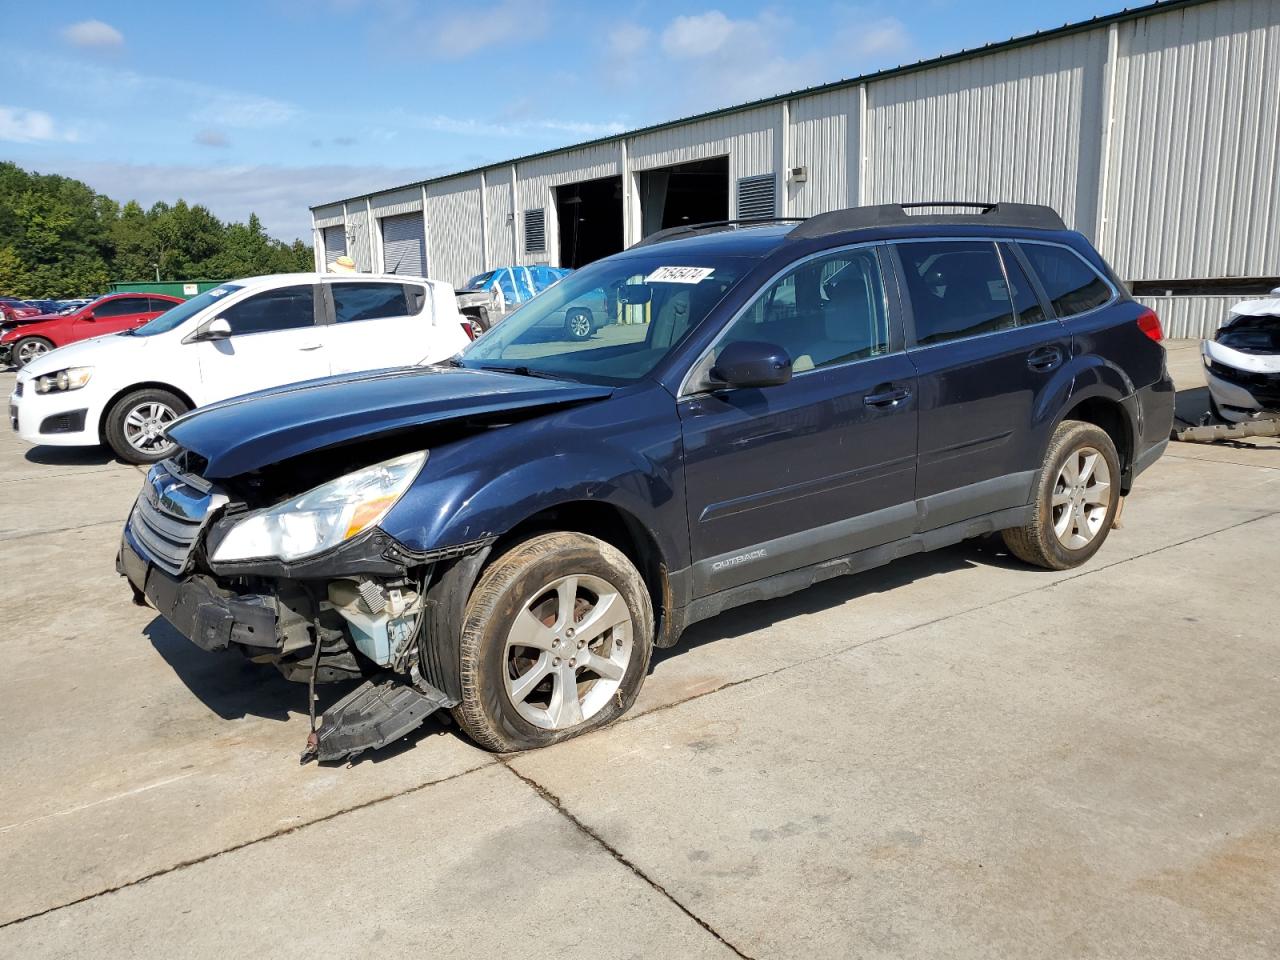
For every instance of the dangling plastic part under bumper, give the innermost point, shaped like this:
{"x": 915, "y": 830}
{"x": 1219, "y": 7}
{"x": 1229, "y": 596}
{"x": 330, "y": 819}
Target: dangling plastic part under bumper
{"x": 371, "y": 716}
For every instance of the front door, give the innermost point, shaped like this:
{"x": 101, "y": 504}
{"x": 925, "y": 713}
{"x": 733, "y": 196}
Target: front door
{"x": 819, "y": 467}
{"x": 114, "y": 315}
{"x": 275, "y": 339}
{"x": 987, "y": 353}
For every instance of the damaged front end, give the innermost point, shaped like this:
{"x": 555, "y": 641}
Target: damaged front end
{"x": 309, "y": 583}
{"x": 1242, "y": 362}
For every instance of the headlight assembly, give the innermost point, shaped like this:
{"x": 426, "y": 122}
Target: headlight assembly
{"x": 72, "y": 378}
{"x": 323, "y": 517}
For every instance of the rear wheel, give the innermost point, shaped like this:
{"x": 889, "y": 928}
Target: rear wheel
{"x": 28, "y": 349}
{"x": 556, "y": 641}
{"x": 1077, "y": 495}
{"x": 135, "y": 425}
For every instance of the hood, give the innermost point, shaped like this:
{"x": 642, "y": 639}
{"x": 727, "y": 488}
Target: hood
{"x": 85, "y": 353}
{"x": 246, "y": 433}
{"x": 10, "y": 322}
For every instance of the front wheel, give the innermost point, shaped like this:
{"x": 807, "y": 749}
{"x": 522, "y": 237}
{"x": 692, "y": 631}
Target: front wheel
{"x": 555, "y": 642}
{"x": 1077, "y": 495}
{"x": 28, "y": 349}
{"x": 135, "y": 425}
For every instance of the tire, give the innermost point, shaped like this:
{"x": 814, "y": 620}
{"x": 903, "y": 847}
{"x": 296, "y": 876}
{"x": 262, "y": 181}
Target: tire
{"x": 479, "y": 320}
{"x": 1042, "y": 541}
{"x": 153, "y": 408}
{"x": 28, "y": 349}
{"x": 501, "y": 714}
{"x": 578, "y": 325}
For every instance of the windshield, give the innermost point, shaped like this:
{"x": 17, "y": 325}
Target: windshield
{"x": 182, "y": 312}
{"x": 476, "y": 282}
{"x": 612, "y": 322}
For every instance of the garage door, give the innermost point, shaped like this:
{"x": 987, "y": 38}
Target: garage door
{"x": 403, "y": 250}
{"x": 335, "y": 243}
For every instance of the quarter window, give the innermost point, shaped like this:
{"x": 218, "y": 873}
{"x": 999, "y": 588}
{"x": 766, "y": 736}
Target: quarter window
{"x": 828, "y": 310}
{"x": 1072, "y": 285}
{"x": 957, "y": 289}
{"x": 283, "y": 309}
{"x": 368, "y": 301}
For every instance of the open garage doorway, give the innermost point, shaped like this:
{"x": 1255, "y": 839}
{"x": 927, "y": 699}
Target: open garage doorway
{"x": 590, "y": 218}
{"x": 696, "y": 192}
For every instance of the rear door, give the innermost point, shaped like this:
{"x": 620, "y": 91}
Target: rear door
{"x": 822, "y": 466}
{"x": 377, "y": 323}
{"x": 114, "y": 315}
{"x": 275, "y": 339}
{"x": 986, "y": 351}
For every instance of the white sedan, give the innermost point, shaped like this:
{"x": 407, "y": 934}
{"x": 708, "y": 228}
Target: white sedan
{"x": 246, "y": 335}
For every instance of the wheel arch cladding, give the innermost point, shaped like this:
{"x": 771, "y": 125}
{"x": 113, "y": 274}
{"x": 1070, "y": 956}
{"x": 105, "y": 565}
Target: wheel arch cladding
{"x": 1111, "y": 416}
{"x": 615, "y": 526}
{"x": 134, "y": 388}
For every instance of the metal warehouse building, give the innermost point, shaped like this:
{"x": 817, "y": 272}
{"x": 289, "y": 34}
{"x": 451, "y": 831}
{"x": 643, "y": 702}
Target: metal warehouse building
{"x": 1155, "y": 132}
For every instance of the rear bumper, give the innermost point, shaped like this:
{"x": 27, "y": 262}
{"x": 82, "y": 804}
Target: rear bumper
{"x": 1154, "y": 407}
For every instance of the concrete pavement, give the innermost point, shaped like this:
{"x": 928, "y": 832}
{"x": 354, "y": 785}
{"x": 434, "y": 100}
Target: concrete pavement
{"x": 951, "y": 756}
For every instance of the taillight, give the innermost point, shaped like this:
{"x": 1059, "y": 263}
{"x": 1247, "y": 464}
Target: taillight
{"x": 470, "y": 331}
{"x": 1149, "y": 324}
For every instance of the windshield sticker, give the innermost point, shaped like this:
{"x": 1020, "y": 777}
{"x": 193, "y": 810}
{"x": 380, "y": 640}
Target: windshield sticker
{"x": 679, "y": 275}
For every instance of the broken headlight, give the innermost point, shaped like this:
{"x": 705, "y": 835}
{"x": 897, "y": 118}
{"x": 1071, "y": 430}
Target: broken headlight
{"x": 323, "y": 517}
{"x": 72, "y": 378}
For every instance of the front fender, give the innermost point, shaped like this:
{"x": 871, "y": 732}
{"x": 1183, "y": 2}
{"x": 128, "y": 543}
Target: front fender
{"x": 625, "y": 452}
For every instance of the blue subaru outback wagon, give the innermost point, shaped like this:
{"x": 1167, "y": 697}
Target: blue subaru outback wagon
{"x": 511, "y": 534}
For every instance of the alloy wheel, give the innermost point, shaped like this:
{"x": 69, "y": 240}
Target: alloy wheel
{"x": 144, "y": 426}
{"x": 1081, "y": 498}
{"x": 28, "y": 350}
{"x": 567, "y": 652}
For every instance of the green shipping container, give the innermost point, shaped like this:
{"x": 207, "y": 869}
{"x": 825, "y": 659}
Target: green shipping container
{"x": 175, "y": 288}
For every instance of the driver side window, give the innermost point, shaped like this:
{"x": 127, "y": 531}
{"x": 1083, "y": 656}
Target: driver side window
{"x": 825, "y": 311}
{"x": 283, "y": 309}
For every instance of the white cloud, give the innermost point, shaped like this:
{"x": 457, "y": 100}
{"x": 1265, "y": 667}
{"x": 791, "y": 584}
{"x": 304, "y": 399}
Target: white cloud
{"x": 885, "y": 36}
{"x": 700, "y": 35}
{"x": 31, "y": 126}
{"x": 461, "y": 32}
{"x": 514, "y": 127}
{"x": 93, "y": 34}
{"x": 628, "y": 40}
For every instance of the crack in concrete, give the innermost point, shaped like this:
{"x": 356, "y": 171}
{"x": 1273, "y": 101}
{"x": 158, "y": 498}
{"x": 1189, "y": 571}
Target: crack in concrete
{"x": 8, "y": 537}
{"x": 630, "y": 865}
{"x": 628, "y": 719}
{"x": 274, "y": 835}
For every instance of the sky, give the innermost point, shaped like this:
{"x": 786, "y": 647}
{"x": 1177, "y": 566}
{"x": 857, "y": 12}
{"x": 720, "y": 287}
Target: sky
{"x": 277, "y": 105}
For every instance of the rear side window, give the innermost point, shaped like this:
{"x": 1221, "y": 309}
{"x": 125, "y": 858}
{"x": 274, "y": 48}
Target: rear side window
{"x": 121, "y": 307}
{"x": 368, "y": 301}
{"x": 1026, "y": 303}
{"x": 156, "y": 305}
{"x": 283, "y": 309}
{"x": 827, "y": 310}
{"x": 1072, "y": 285}
{"x": 957, "y": 289}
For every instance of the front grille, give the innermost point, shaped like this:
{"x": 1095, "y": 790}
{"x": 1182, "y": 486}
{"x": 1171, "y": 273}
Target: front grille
{"x": 169, "y": 515}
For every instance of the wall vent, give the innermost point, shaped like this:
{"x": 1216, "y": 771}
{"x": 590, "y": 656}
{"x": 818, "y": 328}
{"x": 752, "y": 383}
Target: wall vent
{"x": 757, "y": 197}
{"x": 535, "y": 231}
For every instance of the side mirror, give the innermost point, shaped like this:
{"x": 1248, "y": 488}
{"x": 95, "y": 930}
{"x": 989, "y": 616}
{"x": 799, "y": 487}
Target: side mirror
{"x": 88, "y": 316}
{"x": 216, "y": 329}
{"x": 750, "y": 363}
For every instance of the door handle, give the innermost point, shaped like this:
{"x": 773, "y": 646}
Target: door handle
{"x": 311, "y": 346}
{"x": 1045, "y": 359}
{"x": 886, "y": 395}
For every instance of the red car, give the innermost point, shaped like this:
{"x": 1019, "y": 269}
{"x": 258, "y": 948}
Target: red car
{"x": 22, "y": 340}
{"x": 11, "y": 309}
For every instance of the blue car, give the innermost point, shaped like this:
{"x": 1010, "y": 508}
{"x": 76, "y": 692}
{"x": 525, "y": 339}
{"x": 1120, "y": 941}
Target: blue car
{"x": 509, "y": 536}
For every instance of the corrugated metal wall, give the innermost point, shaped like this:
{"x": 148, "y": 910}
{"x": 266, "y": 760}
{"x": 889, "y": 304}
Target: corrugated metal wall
{"x": 1192, "y": 176}
{"x": 1020, "y": 125}
{"x": 453, "y": 228}
{"x": 408, "y": 200}
{"x": 1190, "y": 316}
{"x": 358, "y": 248}
{"x": 500, "y": 227}
{"x": 825, "y": 139}
{"x": 1195, "y": 172}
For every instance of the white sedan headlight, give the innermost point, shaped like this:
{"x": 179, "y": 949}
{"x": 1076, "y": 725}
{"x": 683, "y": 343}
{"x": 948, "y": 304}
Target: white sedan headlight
{"x": 72, "y": 378}
{"x": 323, "y": 517}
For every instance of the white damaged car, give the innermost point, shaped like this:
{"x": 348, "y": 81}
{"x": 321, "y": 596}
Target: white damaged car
{"x": 1242, "y": 361}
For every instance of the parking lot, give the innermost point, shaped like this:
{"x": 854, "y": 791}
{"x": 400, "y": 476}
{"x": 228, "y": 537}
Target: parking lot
{"x": 952, "y": 756}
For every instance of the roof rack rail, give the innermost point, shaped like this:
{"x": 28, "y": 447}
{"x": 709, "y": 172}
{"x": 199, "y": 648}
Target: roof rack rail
{"x": 895, "y": 214}
{"x": 711, "y": 226}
